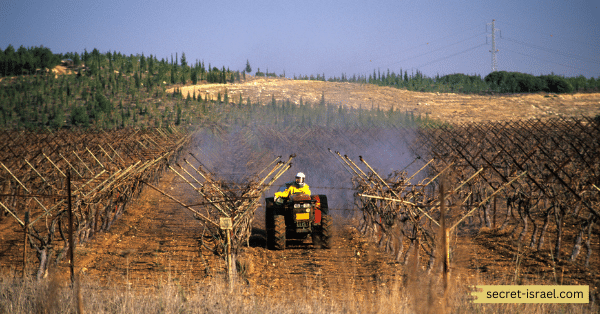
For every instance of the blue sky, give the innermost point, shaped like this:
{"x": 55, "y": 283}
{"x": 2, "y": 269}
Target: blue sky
{"x": 316, "y": 37}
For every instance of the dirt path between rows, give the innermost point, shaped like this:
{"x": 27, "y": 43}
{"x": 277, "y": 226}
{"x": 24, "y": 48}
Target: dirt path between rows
{"x": 156, "y": 241}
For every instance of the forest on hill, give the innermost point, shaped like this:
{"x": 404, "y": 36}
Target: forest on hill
{"x": 113, "y": 90}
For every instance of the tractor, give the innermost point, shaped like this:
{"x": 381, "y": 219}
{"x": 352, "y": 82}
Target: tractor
{"x": 299, "y": 216}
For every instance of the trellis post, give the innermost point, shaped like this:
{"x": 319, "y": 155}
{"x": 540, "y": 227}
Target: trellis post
{"x": 26, "y": 231}
{"x": 71, "y": 240}
{"x": 444, "y": 236}
{"x": 226, "y": 225}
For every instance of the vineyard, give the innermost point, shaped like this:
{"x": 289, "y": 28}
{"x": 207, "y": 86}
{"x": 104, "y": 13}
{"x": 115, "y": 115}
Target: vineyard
{"x": 66, "y": 185}
{"x": 526, "y": 190}
{"x": 534, "y": 183}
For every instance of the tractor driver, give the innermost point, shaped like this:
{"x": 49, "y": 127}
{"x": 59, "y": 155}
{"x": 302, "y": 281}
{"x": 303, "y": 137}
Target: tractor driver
{"x": 297, "y": 187}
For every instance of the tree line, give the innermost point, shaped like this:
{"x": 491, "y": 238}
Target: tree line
{"x": 26, "y": 60}
{"x": 176, "y": 71}
{"x": 495, "y": 82}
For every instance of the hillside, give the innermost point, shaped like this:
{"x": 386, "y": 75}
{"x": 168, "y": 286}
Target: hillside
{"x": 448, "y": 107}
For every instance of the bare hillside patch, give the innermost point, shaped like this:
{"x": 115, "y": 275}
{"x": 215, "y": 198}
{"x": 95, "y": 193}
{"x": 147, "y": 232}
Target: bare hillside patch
{"x": 444, "y": 106}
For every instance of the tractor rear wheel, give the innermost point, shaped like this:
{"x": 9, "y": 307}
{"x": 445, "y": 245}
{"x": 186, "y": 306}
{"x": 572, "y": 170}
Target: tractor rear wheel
{"x": 326, "y": 231}
{"x": 279, "y": 233}
{"x": 316, "y": 239}
{"x": 270, "y": 225}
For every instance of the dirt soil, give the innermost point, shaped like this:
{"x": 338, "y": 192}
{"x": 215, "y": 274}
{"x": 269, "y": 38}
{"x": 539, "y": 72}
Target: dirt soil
{"x": 448, "y": 107}
{"x": 157, "y": 240}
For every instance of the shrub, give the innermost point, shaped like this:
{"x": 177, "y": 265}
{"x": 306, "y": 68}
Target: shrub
{"x": 79, "y": 117}
{"x": 556, "y": 84}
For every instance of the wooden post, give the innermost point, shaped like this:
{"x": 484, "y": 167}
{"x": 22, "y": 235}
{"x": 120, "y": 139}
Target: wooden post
{"x": 71, "y": 241}
{"x": 494, "y": 215}
{"x": 26, "y": 231}
{"x": 229, "y": 259}
{"x": 226, "y": 225}
{"x": 444, "y": 237}
{"x": 75, "y": 284}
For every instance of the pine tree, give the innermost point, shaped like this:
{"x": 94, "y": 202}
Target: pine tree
{"x": 142, "y": 63}
{"x": 58, "y": 119}
{"x": 194, "y": 76}
{"x": 183, "y": 77}
{"x": 136, "y": 77}
{"x": 248, "y": 67}
{"x": 151, "y": 65}
{"x": 178, "y": 119}
{"x": 183, "y": 60}
{"x": 76, "y": 60}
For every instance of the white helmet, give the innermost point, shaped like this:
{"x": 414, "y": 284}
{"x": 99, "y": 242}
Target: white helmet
{"x": 300, "y": 179}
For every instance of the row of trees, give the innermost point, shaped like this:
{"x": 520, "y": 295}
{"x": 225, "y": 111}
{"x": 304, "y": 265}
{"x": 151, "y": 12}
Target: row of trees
{"x": 177, "y": 71}
{"x": 26, "y": 60}
{"x": 514, "y": 82}
{"x": 245, "y": 112}
{"x": 242, "y": 112}
{"x": 499, "y": 82}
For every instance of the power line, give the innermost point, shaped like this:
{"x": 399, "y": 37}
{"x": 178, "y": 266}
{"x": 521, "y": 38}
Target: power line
{"x": 450, "y": 56}
{"x": 419, "y": 46}
{"x": 539, "y": 48}
{"x": 523, "y": 54}
{"x": 590, "y": 43}
{"x": 426, "y": 44}
{"x": 441, "y": 48}
{"x": 552, "y": 51}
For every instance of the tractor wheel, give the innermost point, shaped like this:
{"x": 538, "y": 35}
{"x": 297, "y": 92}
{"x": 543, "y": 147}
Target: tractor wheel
{"x": 316, "y": 239}
{"x": 270, "y": 226}
{"x": 326, "y": 231}
{"x": 279, "y": 233}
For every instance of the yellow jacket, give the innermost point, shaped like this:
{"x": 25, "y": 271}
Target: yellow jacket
{"x": 293, "y": 189}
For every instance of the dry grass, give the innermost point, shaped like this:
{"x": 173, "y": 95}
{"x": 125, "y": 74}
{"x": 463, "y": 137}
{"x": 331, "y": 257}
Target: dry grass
{"x": 421, "y": 294}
